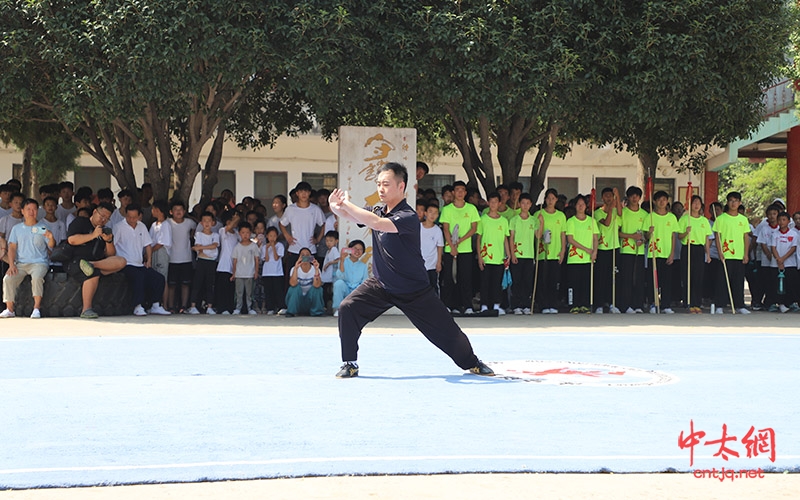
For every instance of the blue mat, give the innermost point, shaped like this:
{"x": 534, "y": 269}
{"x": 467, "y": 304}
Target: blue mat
{"x": 121, "y": 410}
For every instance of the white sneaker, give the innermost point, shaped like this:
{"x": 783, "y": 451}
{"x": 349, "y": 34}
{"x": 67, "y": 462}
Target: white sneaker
{"x": 469, "y": 311}
{"x": 270, "y": 312}
{"x": 236, "y": 312}
{"x": 668, "y": 311}
{"x": 36, "y": 314}
{"x": 782, "y": 308}
{"x": 139, "y": 311}
{"x": 747, "y": 311}
{"x": 252, "y": 312}
{"x": 484, "y": 308}
{"x": 7, "y": 314}
{"x": 526, "y": 311}
{"x": 336, "y": 313}
{"x": 653, "y": 310}
{"x": 599, "y": 310}
{"x": 614, "y": 310}
{"x": 517, "y": 311}
{"x": 638, "y": 311}
{"x": 191, "y": 310}
{"x": 553, "y": 310}
{"x": 500, "y": 311}
{"x": 282, "y": 312}
{"x": 718, "y": 311}
{"x": 210, "y": 310}
{"x": 157, "y": 309}
{"x": 226, "y": 313}
{"x": 630, "y": 311}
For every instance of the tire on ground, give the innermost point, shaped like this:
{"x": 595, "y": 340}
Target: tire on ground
{"x": 62, "y": 296}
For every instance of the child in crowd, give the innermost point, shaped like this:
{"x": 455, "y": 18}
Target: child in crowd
{"x": 551, "y": 250}
{"x": 329, "y": 264}
{"x": 609, "y": 222}
{"x": 161, "y": 235}
{"x": 180, "y": 257}
{"x": 523, "y": 230}
{"x": 352, "y": 272}
{"x": 56, "y": 226}
{"x": 732, "y": 231}
{"x": 492, "y": 251}
{"x": 631, "y": 254}
{"x": 767, "y": 280}
{"x": 784, "y": 252}
{"x": 224, "y": 287}
{"x": 459, "y": 222}
{"x": 694, "y": 231}
{"x": 245, "y": 269}
{"x": 431, "y": 243}
{"x": 583, "y": 237}
{"x": 662, "y": 227}
{"x": 206, "y": 244}
{"x": 304, "y": 295}
{"x": 272, "y": 272}
{"x": 260, "y": 237}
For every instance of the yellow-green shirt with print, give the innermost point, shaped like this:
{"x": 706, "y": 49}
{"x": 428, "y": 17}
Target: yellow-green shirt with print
{"x": 464, "y": 217}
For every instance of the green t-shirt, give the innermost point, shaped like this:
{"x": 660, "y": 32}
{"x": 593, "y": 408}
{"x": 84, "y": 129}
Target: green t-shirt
{"x": 632, "y": 222}
{"x": 663, "y": 238}
{"x": 701, "y": 229}
{"x": 582, "y": 231}
{"x": 524, "y": 234}
{"x": 464, "y": 217}
{"x": 731, "y": 231}
{"x": 557, "y": 224}
{"x": 493, "y": 237}
{"x": 609, "y": 235}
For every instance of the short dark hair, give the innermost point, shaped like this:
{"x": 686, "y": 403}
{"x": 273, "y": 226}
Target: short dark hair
{"x": 50, "y": 198}
{"x": 332, "y": 234}
{"x": 785, "y": 214}
{"x": 303, "y": 186}
{"x": 502, "y": 186}
{"x": 634, "y": 190}
{"x": 357, "y": 242}
{"x": 526, "y": 196}
{"x": 105, "y": 205}
{"x": 7, "y": 188}
{"x": 398, "y": 169}
{"x": 734, "y": 195}
{"x": 271, "y": 229}
{"x": 177, "y": 203}
{"x": 28, "y": 201}
{"x": 161, "y": 205}
{"x": 106, "y": 193}
{"x": 134, "y": 206}
{"x": 19, "y": 195}
{"x": 125, "y": 192}
{"x": 432, "y": 203}
{"x": 66, "y": 184}
{"x": 446, "y": 188}
{"x": 660, "y": 194}
{"x": 208, "y": 214}
{"x": 774, "y": 207}
{"x": 606, "y": 190}
{"x": 516, "y": 185}
{"x": 422, "y": 202}
{"x": 459, "y": 183}
{"x": 244, "y": 225}
{"x": 493, "y": 194}
{"x": 552, "y": 191}
{"x": 423, "y": 166}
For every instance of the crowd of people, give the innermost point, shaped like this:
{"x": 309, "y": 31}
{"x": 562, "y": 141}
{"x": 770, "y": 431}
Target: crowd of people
{"x": 491, "y": 256}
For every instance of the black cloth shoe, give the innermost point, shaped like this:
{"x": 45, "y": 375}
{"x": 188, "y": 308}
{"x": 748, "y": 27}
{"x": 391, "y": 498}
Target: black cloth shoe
{"x": 348, "y": 370}
{"x": 482, "y": 369}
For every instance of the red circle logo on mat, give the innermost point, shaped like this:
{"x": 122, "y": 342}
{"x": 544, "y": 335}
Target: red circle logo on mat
{"x": 577, "y": 373}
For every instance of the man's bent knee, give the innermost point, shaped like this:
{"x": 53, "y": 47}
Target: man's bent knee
{"x": 111, "y": 265}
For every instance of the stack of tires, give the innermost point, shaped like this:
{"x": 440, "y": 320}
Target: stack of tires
{"x": 62, "y": 297}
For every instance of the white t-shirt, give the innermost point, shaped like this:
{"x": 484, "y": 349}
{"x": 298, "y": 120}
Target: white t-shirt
{"x": 161, "y": 234}
{"x": 62, "y": 213}
{"x": 227, "y": 242}
{"x": 326, "y": 275}
{"x": 181, "y": 250}
{"x": 764, "y": 234}
{"x": 246, "y": 256}
{"x": 7, "y": 222}
{"x": 305, "y": 280}
{"x": 58, "y": 228}
{"x": 116, "y": 218}
{"x": 272, "y": 267}
{"x": 201, "y": 238}
{"x": 430, "y": 238}
{"x": 303, "y": 222}
{"x": 782, "y": 242}
{"x": 130, "y": 242}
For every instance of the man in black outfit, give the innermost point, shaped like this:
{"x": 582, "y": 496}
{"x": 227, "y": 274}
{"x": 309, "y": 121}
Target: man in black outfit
{"x": 399, "y": 277}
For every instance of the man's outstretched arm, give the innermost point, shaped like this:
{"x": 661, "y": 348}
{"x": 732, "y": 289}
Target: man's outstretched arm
{"x": 343, "y": 208}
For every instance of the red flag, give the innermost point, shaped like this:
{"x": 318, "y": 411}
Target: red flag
{"x": 648, "y": 192}
{"x": 593, "y": 200}
{"x": 689, "y": 194}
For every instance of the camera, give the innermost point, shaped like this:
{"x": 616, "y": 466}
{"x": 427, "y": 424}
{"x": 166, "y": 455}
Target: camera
{"x": 107, "y": 230}
{"x": 306, "y": 258}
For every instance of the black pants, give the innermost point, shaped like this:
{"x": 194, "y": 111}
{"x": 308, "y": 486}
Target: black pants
{"x": 604, "y": 277}
{"x": 433, "y": 279}
{"x": 146, "y": 283}
{"x": 736, "y": 277}
{"x": 547, "y": 287}
{"x": 205, "y": 274}
{"x": 423, "y": 308}
{"x": 630, "y": 288}
{"x": 579, "y": 279}
{"x": 769, "y": 283}
{"x": 224, "y": 292}
{"x": 457, "y": 295}
{"x": 522, "y": 283}
{"x": 752, "y": 273}
{"x": 790, "y": 287}
{"x": 274, "y": 292}
{"x": 666, "y": 279}
{"x": 491, "y": 284}
{"x": 696, "y": 273}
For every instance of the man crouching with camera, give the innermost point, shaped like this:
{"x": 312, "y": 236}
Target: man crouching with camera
{"x": 93, "y": 253}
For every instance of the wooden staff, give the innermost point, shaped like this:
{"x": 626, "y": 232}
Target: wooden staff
{"x": 537, "y": 240}
{"x": 689, "y": 247}
{"x": 652, "y": 252}
{"x": 592, "y": 201}
{"x": 614, "y": 254}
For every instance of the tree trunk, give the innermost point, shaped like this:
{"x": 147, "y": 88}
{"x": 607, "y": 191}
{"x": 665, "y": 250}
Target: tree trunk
{"x": 547, "y": 146}
{"x": 211, "y": 172}
{"x": 30, "y": 187}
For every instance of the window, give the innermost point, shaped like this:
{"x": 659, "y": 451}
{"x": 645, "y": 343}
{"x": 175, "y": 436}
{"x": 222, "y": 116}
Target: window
{"x": 436, "y": 182}
{"x": 226, "y": 179}
{"x": 268, "y": 184}
{"x": 667, "y": 185}
{"x": 568, "y": 186}
{"x": 601, "y": 183}
{"x": 319, "y": 181}
{"x": 94, "y": 177}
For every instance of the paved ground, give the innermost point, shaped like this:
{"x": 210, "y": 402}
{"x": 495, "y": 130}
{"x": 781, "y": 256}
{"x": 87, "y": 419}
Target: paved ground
{"x": 762, "y": 330}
